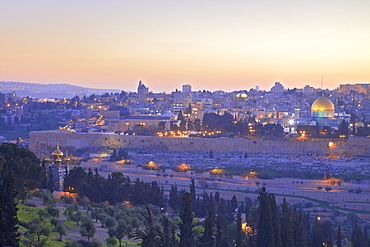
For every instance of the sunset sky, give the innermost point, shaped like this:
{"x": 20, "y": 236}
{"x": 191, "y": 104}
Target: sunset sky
{"x": 214, "y": 45}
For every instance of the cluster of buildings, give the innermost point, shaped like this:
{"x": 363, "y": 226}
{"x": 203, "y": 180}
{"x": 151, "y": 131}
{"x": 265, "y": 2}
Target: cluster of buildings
{"x": 290, "y": 108}
{"x": 127, "y": 111}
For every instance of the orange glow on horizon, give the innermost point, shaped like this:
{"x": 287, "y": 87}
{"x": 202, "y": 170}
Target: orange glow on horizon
{"x": 115, "y": 45}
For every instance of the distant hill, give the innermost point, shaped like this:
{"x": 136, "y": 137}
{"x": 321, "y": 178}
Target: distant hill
{"x": 37, "y": 90}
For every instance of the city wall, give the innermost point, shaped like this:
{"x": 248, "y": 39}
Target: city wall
{"x": 44, "y": 142}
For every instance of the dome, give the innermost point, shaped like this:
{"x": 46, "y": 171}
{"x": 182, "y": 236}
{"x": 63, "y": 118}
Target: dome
{"x": 322, "y": 104}
{"x": 57, "y": 152}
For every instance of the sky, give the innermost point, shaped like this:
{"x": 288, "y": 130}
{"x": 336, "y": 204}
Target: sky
{"x": 213, "y": 45}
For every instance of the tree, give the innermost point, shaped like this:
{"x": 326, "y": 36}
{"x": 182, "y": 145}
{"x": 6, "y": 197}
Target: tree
{"x": 208, "y": 238}
{"x": 109, "y": 222}
{"x": 339, "y": 237}
{"x": 25, "y": 166}
{"x": 67, "y": 200}
{"x": 55, "y": 222}
{"x": 239, "y": 230}
{"x": 77, "y": 216}
{"x": 8, "y": 208}
{"x": 120, "y": 231}
{"x": 87, "y": 228}
{"x": 275, "y": 220}
{"x": 149, "y": 235}
{"x": 186, "y": 216}
{"x": 286, "y": 225}
{"x": 168, "y": 234}
{"x": 234, "y": 203}
{"x": 61, "y": 230}
{"x": 265, "y": 237}
{"x": 38, "y": 227}
{"x": 83, "y": 201}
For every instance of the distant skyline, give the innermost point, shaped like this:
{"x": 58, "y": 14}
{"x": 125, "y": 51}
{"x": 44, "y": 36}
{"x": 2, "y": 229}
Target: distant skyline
{"x": 213, "y": 45}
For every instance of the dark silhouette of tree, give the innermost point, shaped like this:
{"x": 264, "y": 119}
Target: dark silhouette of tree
{"x": 168, "y": 234}
{"x": 239, "y": 233}
{"x": 149, "y": 236}
{"x": 301, "y": 228}
{"x": 8, "y": 208}
{"x": 193, "y": 193}
{"x": 286, "y": 225}
{"x": 339, "y": 237}
{"x": 343, "y": 129}
{"x": 275, "y": 220}
{"x": 234, "y": 203}
{"x": 25, "y": 166}
{"x": 208, "y": 239}
{"x": 265, "y": 237}
{"x": 186, "y": 216}
{"x": 357, "y": 237}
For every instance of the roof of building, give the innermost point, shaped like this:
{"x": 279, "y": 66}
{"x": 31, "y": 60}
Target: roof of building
{"x": 322, "y": 104}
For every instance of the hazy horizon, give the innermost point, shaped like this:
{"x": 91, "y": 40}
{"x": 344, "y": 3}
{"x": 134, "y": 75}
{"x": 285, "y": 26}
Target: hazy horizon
{"x": 213, "y": 45}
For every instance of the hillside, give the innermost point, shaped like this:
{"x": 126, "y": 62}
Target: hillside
{"x": 37, "y": 90}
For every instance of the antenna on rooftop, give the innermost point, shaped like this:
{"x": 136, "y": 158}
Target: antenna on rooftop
{"x": 322, "y": 85}
{"x": 322, "y": 82}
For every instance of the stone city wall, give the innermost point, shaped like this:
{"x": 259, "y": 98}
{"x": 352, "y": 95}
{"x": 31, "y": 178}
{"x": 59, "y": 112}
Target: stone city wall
{"x": 44, "y": 142}
{"x": 359, "y": 146}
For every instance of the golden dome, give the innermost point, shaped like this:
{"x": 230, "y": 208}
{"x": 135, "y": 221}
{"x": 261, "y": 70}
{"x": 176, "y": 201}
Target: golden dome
{"x": 322, "y": 104}
{"x": 57, "y": 152}
{"x": 66, "y": 159}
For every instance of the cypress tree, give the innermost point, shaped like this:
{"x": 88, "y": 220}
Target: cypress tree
{"x": 208, "y": 238}
{"x": 299, "y": 232}
{"x": 265, "y": 237}
{"x": 357, "y": 236}
{"x": 8, "y": 209}
{"x": 339, "y": 237}
{"x": 186, "y": 216}
{"x": 275, "y": 220}
{"x": 286, "y": 225}
{"x": 166, "y": 234}
{"x": 193, "y": 193}
{"x": 316, "y": 235}
{"x": 220, "y": 232}
{"x": 239, "y": 229}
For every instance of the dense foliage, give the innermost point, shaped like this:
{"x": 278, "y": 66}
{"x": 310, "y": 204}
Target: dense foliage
{"x": 116, "y": 188}
{"x": 8, "y": 208}
{"x": 25, "y": 167}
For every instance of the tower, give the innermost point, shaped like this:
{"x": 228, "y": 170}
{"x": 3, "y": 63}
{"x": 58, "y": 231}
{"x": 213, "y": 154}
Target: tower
{"x": 186, "y": 88}
{"x": 142, "y": 89}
